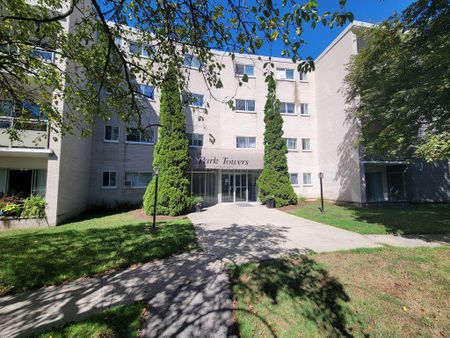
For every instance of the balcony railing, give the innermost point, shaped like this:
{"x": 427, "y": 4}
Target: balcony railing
{"x": 33, "y": 133}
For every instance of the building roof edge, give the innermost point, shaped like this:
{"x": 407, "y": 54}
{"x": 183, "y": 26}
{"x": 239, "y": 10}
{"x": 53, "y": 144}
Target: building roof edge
{"x": 347, "y": 29}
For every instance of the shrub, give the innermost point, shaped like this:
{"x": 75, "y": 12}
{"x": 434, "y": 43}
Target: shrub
{"x": 34, "y": 206}
{"x": 171, "y": 155}
{"x": 274, "y": 179}
{"x": 12, "y": 209}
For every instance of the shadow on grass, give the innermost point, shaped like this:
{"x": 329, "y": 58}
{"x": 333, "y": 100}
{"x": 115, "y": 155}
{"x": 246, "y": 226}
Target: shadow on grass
{"x": 298, "y": 284}
{"x": 406, "y": 219}
{"x": 35, "y": 259}
{"x": 120, "y": 321}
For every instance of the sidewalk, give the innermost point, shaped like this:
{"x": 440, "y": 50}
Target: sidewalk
{"x": 187, "y": 294}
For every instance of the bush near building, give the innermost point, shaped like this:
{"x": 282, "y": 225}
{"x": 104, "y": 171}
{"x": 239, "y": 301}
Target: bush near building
{"x": 171, "y": 155}
{"x": 274, "y": 179}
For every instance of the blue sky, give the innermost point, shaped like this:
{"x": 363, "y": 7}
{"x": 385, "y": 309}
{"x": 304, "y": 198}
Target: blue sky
{"x": 372, "y": 11}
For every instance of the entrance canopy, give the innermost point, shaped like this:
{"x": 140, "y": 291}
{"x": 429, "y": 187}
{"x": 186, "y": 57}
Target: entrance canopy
{"x": 231, "y": 159}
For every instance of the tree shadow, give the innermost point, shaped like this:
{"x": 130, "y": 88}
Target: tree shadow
{"x": 36, "y": 259}
{"x": 241, "y": 243}
{"x": 317, "y": 296}
{"x": 407, "y": 219}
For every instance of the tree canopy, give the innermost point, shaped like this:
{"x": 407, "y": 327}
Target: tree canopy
{"x": 101, "y": 76}
{"x": 398, "y": 86}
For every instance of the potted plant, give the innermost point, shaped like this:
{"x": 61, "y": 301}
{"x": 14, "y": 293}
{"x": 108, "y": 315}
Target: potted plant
{"x": 270, "y": 201}
{"x": 198, "y": 202}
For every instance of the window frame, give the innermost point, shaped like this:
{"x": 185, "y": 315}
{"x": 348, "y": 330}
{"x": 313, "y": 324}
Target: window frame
{"x": 138, "y": 173}
{"x": 305, "y": 76}
{"x": 285, "y": 70}
{"x": 152, "y": 142}
{"x": 145, "y": 96}
{"x": 109, "y": 186}
{"x": 286, "y": 139}
{"x": 111, "y": 140}
{"x": 309, "y": 143}
{"x": 190, "y": 137}
{"x": 248, "y": 138}
{"x": 304, "y": 104}
{"x": 244, "y": 67}
{"x": 246, "y": 106}
{"x": 290, "y": 179}
{"x": 142, "y": 48}
{"x": 285, "y": 104}
{"x": 193, "y": 57}
{"x": 305, "y": 175}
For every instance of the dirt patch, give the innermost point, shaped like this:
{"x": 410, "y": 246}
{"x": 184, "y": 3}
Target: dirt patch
{"x": 139, "y": 213}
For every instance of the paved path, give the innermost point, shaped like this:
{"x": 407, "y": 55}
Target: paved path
{"x": 187, "y": 295}
{"x": 249, "y": 232}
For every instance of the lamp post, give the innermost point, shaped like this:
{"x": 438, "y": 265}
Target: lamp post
{"x": 321, "y": 192}
{"x": 156, "y": 170}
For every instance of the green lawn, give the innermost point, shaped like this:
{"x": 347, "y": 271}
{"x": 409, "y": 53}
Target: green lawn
{"x": 414, "y": 219}
{"x": 121, "y": 321}
{"x": 40, "y": 257}
{"x": 388, "y": 292}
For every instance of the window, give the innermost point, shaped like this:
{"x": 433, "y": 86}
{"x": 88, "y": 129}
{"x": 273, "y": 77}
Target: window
{"x": 294, "y": 178}
{"x": 285, "y": 74}
{"x": 147, "y": 91}
{"x": 291, "y": 143}
{"x": 304, "y": 109}
{"x": 307, "y": 179}
{"x": 137, "y": 180}
{"x": 109, "y": 179}
{"x": 245, "y": 105}
{"x": 306, "y": 144}
{"x": 192, "y": 99}
{"x": 195, "y": 140}
{"x": 140, "y": 50}
{"x": 192, "y": 61}
{"x": 248, "y": 70}
{"x": 287, "y": 108}
{"x": 44, "y": 55}
{"x": 6, "y": 108}
{"x": 118, "y": 41}
{"x": 111, "y": 134}
{"x": 134, "y": 135}
{"x": 303, "y": 76}
{"x": 245, "y": 142}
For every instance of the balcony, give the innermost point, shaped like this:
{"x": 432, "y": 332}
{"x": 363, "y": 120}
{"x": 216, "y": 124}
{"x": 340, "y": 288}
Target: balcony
{"x": 33, "y": 133}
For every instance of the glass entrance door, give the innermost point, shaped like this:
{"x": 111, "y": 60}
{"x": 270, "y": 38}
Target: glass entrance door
{"x": 241, "y": 187}
{"x": 227, "y": 187}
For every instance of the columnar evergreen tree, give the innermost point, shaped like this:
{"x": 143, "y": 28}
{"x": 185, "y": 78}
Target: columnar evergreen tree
{"x": 274, "y": 179}
{"x": 171, "y": 154}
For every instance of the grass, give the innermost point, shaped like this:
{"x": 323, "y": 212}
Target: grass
{"x": 40, "y": 257}
{"x": 388, "y": 292}
{"x": 120, "y": 321}
{"x": 414, "y": 219}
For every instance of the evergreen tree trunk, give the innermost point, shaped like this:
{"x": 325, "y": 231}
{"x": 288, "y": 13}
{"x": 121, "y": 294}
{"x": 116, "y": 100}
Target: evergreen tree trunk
{"x": 171, "y": 154}
{"x": 274, "y": 180}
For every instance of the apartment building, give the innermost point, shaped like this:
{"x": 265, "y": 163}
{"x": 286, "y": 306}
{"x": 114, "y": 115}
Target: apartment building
{"x": 114, "y": 165}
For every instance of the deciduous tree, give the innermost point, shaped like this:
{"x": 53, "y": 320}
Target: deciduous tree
{"x": 398, "y": 87}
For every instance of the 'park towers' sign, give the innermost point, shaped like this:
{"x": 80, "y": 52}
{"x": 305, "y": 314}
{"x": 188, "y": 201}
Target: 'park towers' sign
{"x": 225, "y": 159}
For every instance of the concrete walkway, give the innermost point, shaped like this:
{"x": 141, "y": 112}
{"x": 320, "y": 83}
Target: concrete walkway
{"x": 249, "y": 232}
{"x": 188, "y": 295}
